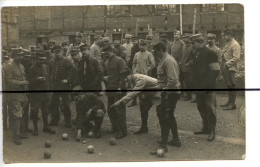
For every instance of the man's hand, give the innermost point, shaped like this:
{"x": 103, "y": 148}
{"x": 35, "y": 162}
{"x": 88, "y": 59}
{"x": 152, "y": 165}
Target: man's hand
{"x": 64, "y": 81}
{"x": 116, "y": 104}
{"x": 88, "y": 113}
{"x": 41, "y": 78}
{"x": 24, "y": 83}
{"x": 106, "y": 78}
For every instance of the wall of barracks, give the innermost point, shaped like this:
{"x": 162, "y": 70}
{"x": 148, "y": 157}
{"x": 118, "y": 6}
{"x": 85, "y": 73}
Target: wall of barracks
{"x": 25, "y": 26}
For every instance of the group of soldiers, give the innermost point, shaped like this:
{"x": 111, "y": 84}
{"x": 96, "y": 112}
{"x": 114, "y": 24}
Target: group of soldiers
{"x": 41, "y": 79}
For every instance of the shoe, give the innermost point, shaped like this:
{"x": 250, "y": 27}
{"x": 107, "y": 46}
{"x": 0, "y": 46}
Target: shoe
{"x": 49, "y": 130}
{"x": 18, "y": 141}
{"x": 28, "y": 130}
{"x": 141, "y": 131}
{"x": 97, "y": 134}
{"x": 201, "y": 132}
{"x": 52, "y": 123}
{"x": 176, "y": 143}
{"x": 225, "y": 104}
{"x": 211, "y": 136}
{"x": 35, "y": 132}
{"x": 23, "y": 136}
{"x": 120, "y": 135}
{"x": 230, "y": 107}
{"x": 68, "y": 125}
{"x": 165, "y": 149}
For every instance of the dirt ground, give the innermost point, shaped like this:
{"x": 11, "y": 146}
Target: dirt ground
{"x": 135, "y": 147}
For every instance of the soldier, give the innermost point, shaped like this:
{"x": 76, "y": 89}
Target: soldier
{"x": 38, "y": 76}
{"x": 168, "y": 80}
{"x": 119, "y": 49}
{"x": 16, "y": 81}
{"x": 204, "y": 72}
{"x": 143, "y": 61}
{"x": 60, "y": 69}
{"x": 95, "y": 49}
{"x": 78, "y": 38}
{"x": 5, "y": 62}
{"x": 177, "y": 44}
{"x": 229, "y": 67}
{"x": 89, "y": 71}
{"x": 89, "y": 108}
{"x": 184, "y": 68}
{"x": 141, "y": 82}
{"x": 163, "y": 37}
{"x": 64, "y": 46}
{"x": 116, "y": 69}
{"x": 128, "y": 46}
{"x": 149, "y": 41}
{"x": 211, "y": 39}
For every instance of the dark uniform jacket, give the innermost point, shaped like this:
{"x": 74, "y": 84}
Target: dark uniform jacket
{"x": 115, "y": 69}
{"x": 59, "y": 70}
{"x": 94, "y": 73}
{"x": 120, "y": 51}
{"x": 204, "y": 69}
{"x": 34, "y": 72}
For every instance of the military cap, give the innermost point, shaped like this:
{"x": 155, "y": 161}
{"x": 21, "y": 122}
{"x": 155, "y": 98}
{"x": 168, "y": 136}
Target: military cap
{"x": 228, "y": 32}
{"x": 142, "y": 42}
{"x": 83, "y": 46}
{"x": 149, "y": 37}
{"x": 177, "y": 31}
{"x": 160, "y": 46}
{"x": 107, "y": 48}
{"x": 5, "y": 54}
{"x": 79, "y": 34}
{"x": 16, "y": 52}
{"x": 97, "y": 37}
{"x": 128, "y": 36}
{"x": 52, "y": 43}
{"x": 135, "y": 38}
{"x": 32, "y": 48}
{"x": 197, "y": 38}
{"x": 212, "y": 36}
{"x": 105, "y": 39}
{"x": 64, "y": 43}
{"x": 41, "y": 54}
{"x": 56, "y": 47}
{"x": 26, "y": 52}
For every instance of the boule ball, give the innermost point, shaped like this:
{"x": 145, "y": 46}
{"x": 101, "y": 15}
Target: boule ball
{"x": 112, "y": 141}
{"x": 160, "y": 153}
{"x": 90, "y": 149}
{"x": 47, "y": 144}
{"x": 84, "y": 141}
{"x": 65, "y": 136}
{"x": 90, "y": 134}
{"x": 47, "y": 154}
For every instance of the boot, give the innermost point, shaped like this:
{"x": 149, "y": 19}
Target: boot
{"x": 211, "y": 135}
{"x": 175, "y": 142}
{"x": 16, "y": 131}
{"x": 46, "y": 128}
{"x": 141, "y": 130}
{"x": 98, "y": 123}
{"x": 35, "y": 125}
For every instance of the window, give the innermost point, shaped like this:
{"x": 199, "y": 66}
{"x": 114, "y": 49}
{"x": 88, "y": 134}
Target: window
{"x": 212, "y": 7}
{"x": 118, "y": 10}
{"x": 165, "y": 9}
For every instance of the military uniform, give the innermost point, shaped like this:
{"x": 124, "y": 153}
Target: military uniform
{"x": 115, "y": 69}
{"x": 59, "y": 70}
{"x": 143, "y": 63}
{"x": 204, "y": 72}
{"x": 84, "y": 103}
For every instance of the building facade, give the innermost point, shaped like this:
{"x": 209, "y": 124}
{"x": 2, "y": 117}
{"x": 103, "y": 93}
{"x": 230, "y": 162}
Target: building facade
{"x": 30, "y": 25}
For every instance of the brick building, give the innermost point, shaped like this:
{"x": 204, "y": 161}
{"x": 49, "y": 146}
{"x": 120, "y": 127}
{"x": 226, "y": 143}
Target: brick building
{"x": 30, "y": 25}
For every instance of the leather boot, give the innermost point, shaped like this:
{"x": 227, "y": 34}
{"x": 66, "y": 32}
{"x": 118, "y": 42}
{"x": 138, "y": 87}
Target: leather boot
{"x": 211, "y": 135}
{"x": 98, "y": 123}
{"x": 16, "y": 131}
{"x": 35, "y": 125}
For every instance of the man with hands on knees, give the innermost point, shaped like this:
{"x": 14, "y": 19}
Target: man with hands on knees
{"x": 89, "y": 108}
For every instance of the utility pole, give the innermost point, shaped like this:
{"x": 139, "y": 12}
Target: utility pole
{"x": 181, "y": 20}
{"x": 194, "y": 21}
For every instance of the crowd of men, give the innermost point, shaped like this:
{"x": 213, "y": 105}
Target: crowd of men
{"x": 41, "y": 79}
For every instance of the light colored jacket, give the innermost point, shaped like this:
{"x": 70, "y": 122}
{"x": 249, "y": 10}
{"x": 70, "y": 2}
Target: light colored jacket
{"x": 143, "y": 63}
{"x": 231, "y": 53}
{"x": 128, "y": 48}
{"x": 141, "y": 82}
{"x": 95, "y": 51}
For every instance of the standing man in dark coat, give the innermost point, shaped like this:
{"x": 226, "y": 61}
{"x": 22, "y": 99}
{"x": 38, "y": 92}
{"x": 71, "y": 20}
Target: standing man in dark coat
{"x": 60, "y": 69}
{"x": 116, "y": 71}
{"x": 16, "y": 81}
{"x": 89, "y": 71}
{"x": 204, "y": 71}
{"x": 38, "y": 76}
{"x": 120, "y": 50}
